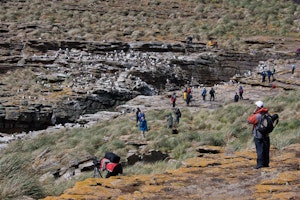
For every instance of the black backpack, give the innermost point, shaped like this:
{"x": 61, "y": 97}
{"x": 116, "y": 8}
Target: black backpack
{"x": 114, "y": 158}
{"x": 266, "y": 124}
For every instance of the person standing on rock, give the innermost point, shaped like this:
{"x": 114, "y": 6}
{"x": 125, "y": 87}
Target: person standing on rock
{"x": 143, "y": 126}
{"x": 262, "y": 141}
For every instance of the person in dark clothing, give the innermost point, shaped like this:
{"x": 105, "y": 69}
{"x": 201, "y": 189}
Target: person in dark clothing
{"x": 204, "y": 91}
{"x": 188, "y": 99}
{"x": 262, "y": 141}
{"x": 170, "y": 121}
{"x": 241, "y": 92}
{"x": 269, "y": 75}
{"x": 236, "y": 97}
{"x": 137, "y": 115}
{"x": 212, "y": 94}
{"x": 173, "y": 99}
{"x": 177, "y": 115}
{"x": 263, "y": 74}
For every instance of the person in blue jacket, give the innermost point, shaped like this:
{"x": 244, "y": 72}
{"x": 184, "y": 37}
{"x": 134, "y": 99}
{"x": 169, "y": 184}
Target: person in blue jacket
{"x": 204, "y": 91}
{"x": 143, "y": 126}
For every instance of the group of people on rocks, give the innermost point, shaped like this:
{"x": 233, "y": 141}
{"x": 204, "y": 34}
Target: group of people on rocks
{"x": 171, "y": 122}
{"x": 187, "y": 95}
{"x": 240, "y": 95}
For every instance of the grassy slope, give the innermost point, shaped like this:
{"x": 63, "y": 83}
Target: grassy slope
{"x": 224, "y": 126}
{"x": 146, "y": 20}
{"x": 161, "y": 20}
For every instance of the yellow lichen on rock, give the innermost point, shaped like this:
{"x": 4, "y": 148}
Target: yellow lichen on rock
{"x": 212, "y": 176}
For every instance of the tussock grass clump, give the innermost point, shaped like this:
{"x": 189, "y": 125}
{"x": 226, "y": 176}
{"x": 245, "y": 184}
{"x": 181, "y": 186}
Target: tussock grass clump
{"x": 17, "y": 178}
{"x": 225, "y": 126}
{"x": 135, "y": 20}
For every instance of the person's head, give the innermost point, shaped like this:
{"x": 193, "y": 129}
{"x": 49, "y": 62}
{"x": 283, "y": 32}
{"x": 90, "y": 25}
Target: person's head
{"x": 259, "y": 104}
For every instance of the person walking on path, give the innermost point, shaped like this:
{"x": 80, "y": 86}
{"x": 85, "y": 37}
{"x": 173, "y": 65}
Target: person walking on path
{"x": 269, "y": 73}
{"x": 212, "y": 94}
{"x": 177, "y": 115}
{"x": 143, "y": 127}
{"x": 188, "y": 99}
{"x": 137, "y": 116}
{"x": 170, "y": 121}
{"x": 204, "y": 91}
{"x": 293, "y": 68}
{"x": 262, "y": 141}
{"x": 185, "y": 95}
{"x": 241, "y": 92}
{"x": 263, "y": 74}
{"x": 173, "y": 99}
{"x": 236, "y": 97}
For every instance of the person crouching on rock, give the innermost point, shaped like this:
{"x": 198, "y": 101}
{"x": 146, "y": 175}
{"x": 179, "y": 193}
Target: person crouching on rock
{"x": 113, "y": 169}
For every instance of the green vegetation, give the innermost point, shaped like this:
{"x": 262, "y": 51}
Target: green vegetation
{"x": 225, "y": 126}
{"x": 225, "y": 20}
{"x": 21, "y": 168}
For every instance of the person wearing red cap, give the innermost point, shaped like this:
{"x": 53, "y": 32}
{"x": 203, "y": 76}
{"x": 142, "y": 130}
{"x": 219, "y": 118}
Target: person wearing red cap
{"x": 262, "y": 141}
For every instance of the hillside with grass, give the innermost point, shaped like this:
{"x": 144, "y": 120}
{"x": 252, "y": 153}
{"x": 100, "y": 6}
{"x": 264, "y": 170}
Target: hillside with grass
{"x": 212, "y": 154}
{"x": 229, "y": 22}
{"x": 221, "y": 124}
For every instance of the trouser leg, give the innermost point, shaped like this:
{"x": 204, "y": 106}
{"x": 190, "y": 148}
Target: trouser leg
{"x": 266, "y": 151}
{"x": 259, "y": 151}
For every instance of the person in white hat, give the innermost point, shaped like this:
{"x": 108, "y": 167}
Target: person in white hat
{"x": 262, "y": 141}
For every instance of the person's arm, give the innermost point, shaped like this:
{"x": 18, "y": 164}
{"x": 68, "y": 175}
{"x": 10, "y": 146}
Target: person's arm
{"x": 252, "y": 119}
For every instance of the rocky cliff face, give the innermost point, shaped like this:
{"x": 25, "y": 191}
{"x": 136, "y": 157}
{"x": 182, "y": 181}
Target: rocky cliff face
{"x": 67, "y": 79}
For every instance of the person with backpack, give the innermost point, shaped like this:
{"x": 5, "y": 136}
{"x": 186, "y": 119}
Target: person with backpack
{"x": 241, "y": 91}
{"x": 111, "y": 164}
{"x": 177, "y": 115}
{"x": 170, "y": 121}
{"x": 261, "y": 140}
{"x": 236, "y": 97}
{"x": 173, "y": 99}
{"x": 204, "y": 91}
{"x": 188, "y": 99}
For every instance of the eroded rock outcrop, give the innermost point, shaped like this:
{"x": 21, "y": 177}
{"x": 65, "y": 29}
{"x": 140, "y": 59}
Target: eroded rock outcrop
{"x": 68, "y": 79}
{"x": 219, "y": 175}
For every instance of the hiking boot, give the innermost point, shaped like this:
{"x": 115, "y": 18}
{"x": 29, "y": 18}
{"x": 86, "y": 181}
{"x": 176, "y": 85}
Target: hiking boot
{"x": 257, "y": 167}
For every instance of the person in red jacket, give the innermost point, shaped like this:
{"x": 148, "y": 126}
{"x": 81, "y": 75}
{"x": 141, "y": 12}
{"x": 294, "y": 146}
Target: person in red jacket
{"x": 262, "y": 142}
